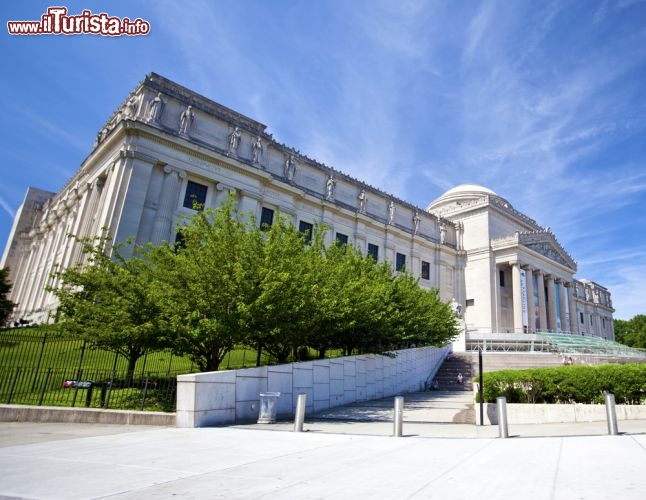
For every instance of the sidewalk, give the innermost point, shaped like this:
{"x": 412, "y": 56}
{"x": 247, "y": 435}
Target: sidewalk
{"x": 333, "y": 459}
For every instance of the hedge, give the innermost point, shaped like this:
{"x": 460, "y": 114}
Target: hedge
{"x": 568, "y": 384}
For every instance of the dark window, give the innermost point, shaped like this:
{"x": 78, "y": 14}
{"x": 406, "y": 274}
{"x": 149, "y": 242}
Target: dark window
{"x": 306, "y": 228}
{"x": 195, "y": 194}
{"x": 341, "y": 239}
{"x": 180, "y": 242}
{"x": 266, "y": 218}
{"x": 373, "y": 251}
{"x": 400, "y": 262}
{"x": 502, "y": 277}
{"x": 581, "y": 318}
{"x": 426, "y": 270}
{"x": 470, "y": 302}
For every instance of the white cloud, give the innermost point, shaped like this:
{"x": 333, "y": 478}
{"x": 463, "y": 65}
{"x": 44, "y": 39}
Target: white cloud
{"x": 7, "y": 208}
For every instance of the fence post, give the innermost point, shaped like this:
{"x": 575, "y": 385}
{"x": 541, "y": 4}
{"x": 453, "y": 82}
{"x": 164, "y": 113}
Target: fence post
{"x": 42, "y": 391}
{"x": 76, "y": 387}
{"x": 13, "y": 384}
{"x": 143, "y": 398}
{"x": 40, "y": 358}
{"x": 107, "y": 397}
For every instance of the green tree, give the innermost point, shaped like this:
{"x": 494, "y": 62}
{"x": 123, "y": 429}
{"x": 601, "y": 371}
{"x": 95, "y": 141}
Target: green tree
{"x": 632, "y": 332}
{"x": 6, "y": 306}
{"x": 204, "y": 287}
{"x": 284, "y": 310}
{"x": 108, "y": 301}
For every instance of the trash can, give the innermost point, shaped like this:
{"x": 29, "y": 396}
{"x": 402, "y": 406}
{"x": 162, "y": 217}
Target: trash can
{"x": 268, "y": 407}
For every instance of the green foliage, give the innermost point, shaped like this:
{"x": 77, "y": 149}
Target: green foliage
{"x": 109, "y": 303}
{"x": 232, "y": 284}
{"x": 568, "y": 384}
{"x": 204, "y": 288}
{"x": 632, "y": 332}
{"x": 6, "y": 306}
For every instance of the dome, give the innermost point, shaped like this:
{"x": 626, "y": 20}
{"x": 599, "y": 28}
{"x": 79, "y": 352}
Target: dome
{"x": 468, "y": 189}
{"x": 463, "y": 191}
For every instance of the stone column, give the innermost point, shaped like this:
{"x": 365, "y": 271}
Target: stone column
{"x": 169, "y": 196}
{"x": 571, "y": 307}
{"x": 517, "y": 297}
{"x": 563, "y": 299}
{"x": 497, "y": 304}
{"x": 540, "y": 281}
{"x": 531, "y": 309}
{"x": 551, "y": 304}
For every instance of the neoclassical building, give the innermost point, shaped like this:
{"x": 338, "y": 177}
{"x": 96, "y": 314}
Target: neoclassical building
{"x": 167, "y": 146}
{"x": 518, "y": 277}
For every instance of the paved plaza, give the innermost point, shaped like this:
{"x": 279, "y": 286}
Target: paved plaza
{"x": 347, "y": 453}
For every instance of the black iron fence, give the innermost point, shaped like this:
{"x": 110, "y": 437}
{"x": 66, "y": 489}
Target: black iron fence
{"x": 38, "y": 368}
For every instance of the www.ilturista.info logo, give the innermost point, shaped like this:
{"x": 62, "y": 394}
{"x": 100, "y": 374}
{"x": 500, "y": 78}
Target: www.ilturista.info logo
{"x": 57, "y": 22}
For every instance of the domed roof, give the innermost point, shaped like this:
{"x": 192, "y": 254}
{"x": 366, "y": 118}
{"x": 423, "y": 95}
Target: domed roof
{"x": 463, "y": 191}
{"x": 468, "y": 189}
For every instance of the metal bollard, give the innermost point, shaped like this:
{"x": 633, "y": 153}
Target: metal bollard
{"x": 398, "y": 420}
{"x": 501, "y": 409}
{"x": 611, "y": 414}
{"x": 300, "y": 413}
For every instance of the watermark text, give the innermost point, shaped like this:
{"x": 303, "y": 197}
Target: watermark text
{"x": 56, "y": 21}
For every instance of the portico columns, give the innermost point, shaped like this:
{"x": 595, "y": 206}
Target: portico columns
{"x": 517, "y": 297}
{"x": 551, "y": 304}
{"x": 571, "y": 307}
{"x": 541, "y": 300}
{"x": 531, "y": 310}
{"x": 562, "y": 300}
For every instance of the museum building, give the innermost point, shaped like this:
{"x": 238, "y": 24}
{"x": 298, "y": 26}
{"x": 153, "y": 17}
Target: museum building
{"x": 166, "y": 147}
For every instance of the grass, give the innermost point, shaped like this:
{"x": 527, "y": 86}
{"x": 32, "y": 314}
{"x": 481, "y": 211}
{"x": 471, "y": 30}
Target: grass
{"x": 34, "y": 365}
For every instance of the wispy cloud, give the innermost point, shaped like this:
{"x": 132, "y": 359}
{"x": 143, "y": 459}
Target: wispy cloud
{"x": 7, "y": 208}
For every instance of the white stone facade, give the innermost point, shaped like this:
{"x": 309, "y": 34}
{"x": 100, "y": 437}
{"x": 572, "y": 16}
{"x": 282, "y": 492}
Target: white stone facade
{"x": 166, "y": 144}
{"x": 518, "y": 277}
{"x": 154, "y": 152}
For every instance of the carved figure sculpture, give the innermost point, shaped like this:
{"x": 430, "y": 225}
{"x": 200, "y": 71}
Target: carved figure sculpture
{"x": 234, "y": 140}
{"x": 290, "y": 168}
{"x": 186, "y": 120}
{"x": 156, "y": 108}
{"x": 329, "y": 188}
{"x": 256, "y": 150}
{"x": 416, "y": 221}
{"x": 391, "y": 212}
{"x": 363, "y": 198}
{"x": 130, "y": 109}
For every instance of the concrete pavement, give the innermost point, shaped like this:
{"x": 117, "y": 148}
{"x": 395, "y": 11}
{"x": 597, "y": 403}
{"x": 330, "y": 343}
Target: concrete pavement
{"x": 334, "y": 458}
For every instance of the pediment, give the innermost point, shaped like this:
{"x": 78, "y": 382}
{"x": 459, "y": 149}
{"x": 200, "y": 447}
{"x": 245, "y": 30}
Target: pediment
{"x": 545, "y": 244}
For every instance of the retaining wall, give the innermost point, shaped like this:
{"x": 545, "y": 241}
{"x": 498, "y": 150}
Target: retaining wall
{"x": 518, "y": 413}
{"x": 25, "y": 413}
{"x": 226, "y": 397}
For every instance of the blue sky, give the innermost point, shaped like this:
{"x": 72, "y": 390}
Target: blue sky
{"x": 543, "y": 102}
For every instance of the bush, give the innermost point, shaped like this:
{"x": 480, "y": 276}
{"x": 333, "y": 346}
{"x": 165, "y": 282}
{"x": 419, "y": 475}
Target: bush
{"x": 568, "y": 384}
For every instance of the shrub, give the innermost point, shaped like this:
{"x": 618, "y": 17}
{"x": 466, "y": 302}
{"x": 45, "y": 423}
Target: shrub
{"x": 568, "y": 384}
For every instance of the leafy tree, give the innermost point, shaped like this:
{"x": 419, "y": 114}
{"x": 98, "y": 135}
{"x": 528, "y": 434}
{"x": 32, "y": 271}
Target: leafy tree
{"x": 204, "y": 287}
{"x": 419, "y": 316}
{"x": 6, "y": 306}
{"x": 108, "y": 301}
{"x": 284, "y": 310}
{"x": 632, "y": 332}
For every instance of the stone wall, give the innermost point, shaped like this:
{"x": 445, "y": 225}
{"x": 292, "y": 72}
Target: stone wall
{"x": 518, "y": 413}
{"x": 226, "y": 397}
